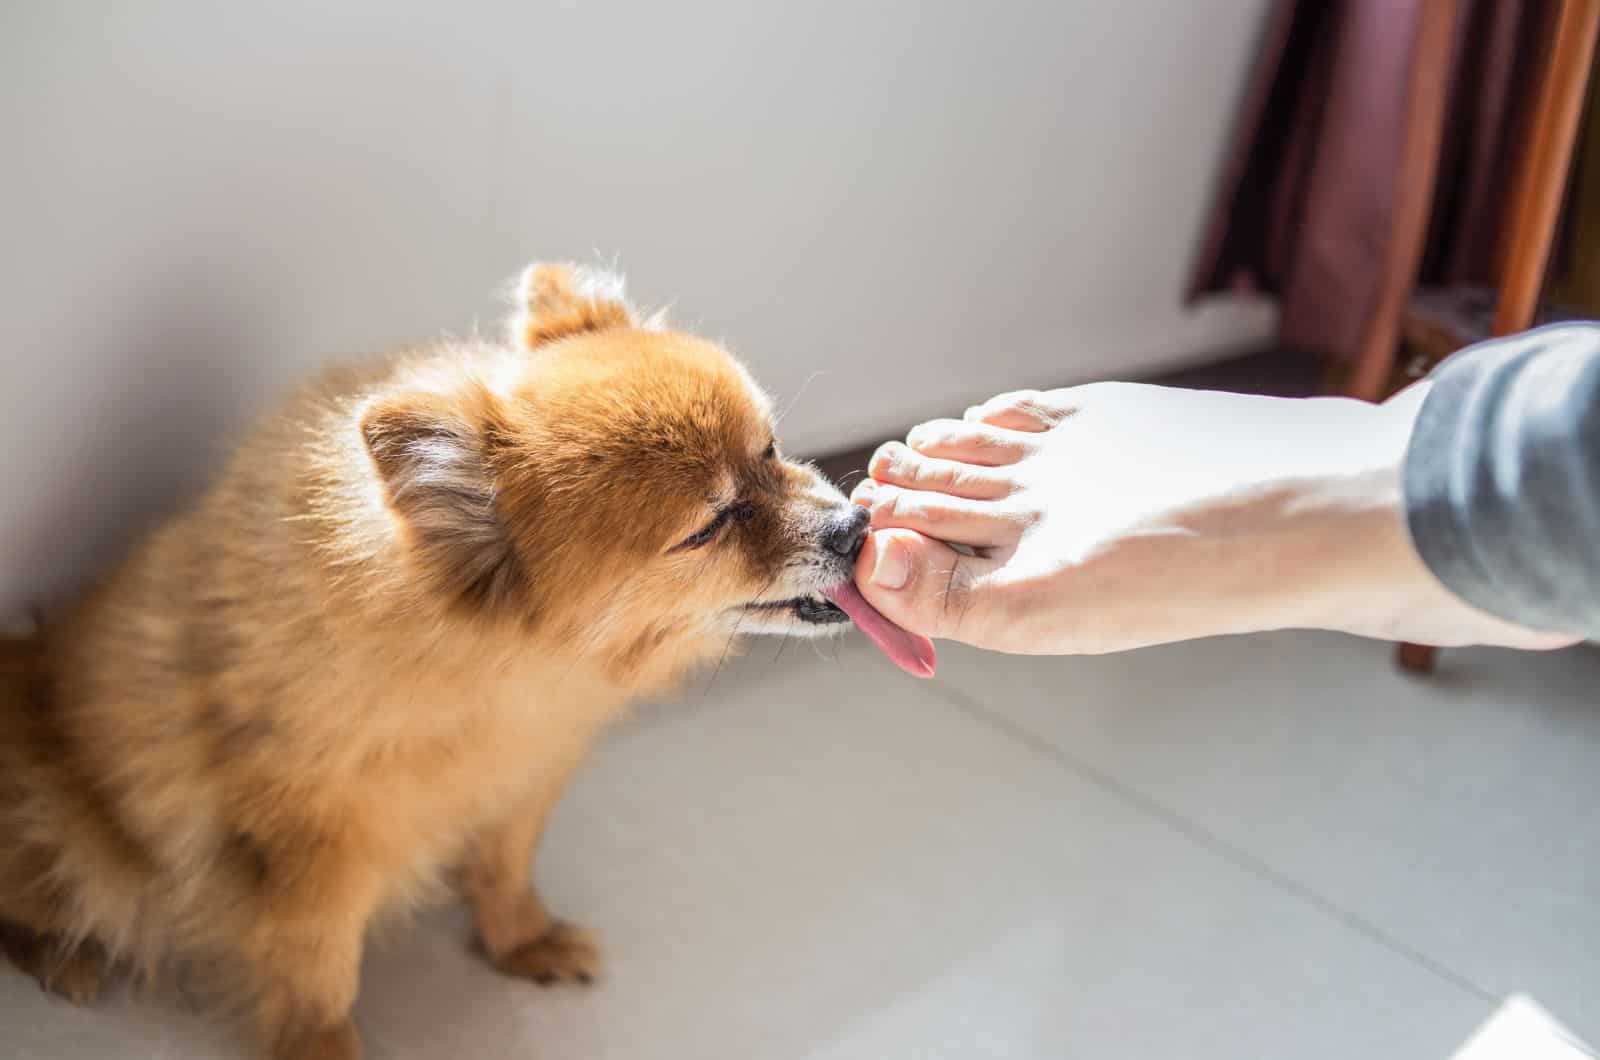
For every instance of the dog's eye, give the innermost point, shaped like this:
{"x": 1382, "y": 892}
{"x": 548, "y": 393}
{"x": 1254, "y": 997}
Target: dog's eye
{"x": 770, "y": 452}
{"x": 739, "y": 513}
{"x": 705, "y": 535}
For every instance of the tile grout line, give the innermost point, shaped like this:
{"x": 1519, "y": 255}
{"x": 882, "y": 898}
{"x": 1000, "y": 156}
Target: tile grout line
{"x": 1230, "y": 852}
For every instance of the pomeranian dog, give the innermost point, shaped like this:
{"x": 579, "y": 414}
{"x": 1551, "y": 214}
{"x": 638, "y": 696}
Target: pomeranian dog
{"x": 364, "y": 664}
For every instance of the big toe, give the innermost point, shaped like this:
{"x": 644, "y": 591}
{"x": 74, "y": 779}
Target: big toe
{"x": 927, "y": 587}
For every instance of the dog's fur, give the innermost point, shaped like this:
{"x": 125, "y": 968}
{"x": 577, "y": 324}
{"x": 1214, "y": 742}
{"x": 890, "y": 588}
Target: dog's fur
{"x": 367, "y": 660}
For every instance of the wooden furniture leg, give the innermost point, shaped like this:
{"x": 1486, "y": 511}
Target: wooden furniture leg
{"x": 1424, "y": 127}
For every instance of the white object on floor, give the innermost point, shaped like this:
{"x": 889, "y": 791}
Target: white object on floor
{"x": 1521, "y": 1030}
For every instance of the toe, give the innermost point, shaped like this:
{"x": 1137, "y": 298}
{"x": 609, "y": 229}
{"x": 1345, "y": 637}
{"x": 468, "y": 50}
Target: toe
{"x": 971, "y": 443}
{"x": 900, "y": 465}
{"x": 979, "y": 524}
{"x": 1022, "y": 410}
{"x": 927, "y": 587}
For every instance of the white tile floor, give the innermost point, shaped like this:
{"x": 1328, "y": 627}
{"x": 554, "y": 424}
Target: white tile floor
{"x": 1271, "y": 847}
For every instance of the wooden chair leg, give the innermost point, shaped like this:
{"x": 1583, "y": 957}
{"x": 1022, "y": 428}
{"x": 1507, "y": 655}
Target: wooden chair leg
{"x": 1541, "y": 180}
{"x": 1369, "y": 377}
{"x": 1419, "y": 163}
{"x": 1418, "y": 658}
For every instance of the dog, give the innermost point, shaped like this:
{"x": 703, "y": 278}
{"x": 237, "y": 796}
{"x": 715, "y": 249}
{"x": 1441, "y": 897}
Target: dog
{"x": 360, "y": 669}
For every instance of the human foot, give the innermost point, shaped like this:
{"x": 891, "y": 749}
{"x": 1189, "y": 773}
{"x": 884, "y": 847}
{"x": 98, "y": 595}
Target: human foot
{"x": 1111, "y": 516}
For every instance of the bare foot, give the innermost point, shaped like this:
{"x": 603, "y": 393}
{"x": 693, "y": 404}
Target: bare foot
{"x": 1116, "y": 515}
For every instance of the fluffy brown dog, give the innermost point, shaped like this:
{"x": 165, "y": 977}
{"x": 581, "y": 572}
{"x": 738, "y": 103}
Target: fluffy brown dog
{"x": 367, "y": 660}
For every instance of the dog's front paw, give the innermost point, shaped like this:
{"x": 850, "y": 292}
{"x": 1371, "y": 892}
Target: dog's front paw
{"x": 79, "y": 978}
{"x": 339, "y": 1042}
{"x": 72, "y": 972}
{"x": 564, "y": 953}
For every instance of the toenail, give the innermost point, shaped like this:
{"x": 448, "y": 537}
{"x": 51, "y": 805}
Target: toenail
{"x": 891, "y": 565}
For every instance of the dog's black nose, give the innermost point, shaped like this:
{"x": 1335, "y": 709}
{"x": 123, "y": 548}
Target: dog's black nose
{"x": 846, "y": 533}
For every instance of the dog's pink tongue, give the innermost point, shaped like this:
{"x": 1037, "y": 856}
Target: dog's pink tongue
{"x": 911, "y": 652}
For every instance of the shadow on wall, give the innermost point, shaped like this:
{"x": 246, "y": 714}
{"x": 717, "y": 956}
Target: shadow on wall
{"x": 157, "y": 425}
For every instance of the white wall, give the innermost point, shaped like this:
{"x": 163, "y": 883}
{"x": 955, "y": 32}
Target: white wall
{"x": 889, "y": 209}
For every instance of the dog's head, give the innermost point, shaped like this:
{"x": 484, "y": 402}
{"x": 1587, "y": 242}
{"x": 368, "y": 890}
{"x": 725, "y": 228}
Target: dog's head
{"x": 613, "y": 484}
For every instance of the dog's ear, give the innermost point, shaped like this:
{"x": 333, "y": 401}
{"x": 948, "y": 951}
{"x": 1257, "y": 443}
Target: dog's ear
{"x": 432, "y": 454}
{"x": 555, "y": 301}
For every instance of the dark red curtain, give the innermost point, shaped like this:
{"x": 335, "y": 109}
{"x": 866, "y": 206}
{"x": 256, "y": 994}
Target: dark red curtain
{"x": 1306, "y": 200}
